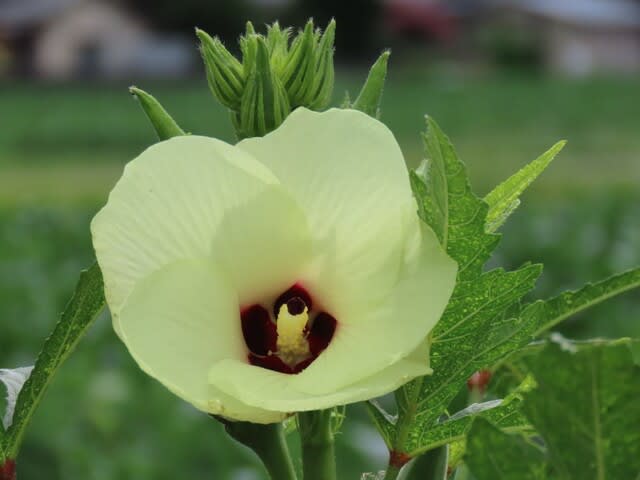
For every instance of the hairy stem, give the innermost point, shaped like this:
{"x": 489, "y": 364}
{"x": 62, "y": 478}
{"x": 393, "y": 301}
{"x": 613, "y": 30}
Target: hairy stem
{"x": 316, "y": 436}
{"x": 268, "y": 442}
{"x": 392, "y": 473}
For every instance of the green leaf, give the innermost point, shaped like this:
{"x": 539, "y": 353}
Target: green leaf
{"x": 586, "y": 408}
{"x": 86, "y": 303}
{"x": 483, "y": 321}
{"x": 447, "y": 204}
{"x": 566, "y": 304}
{"x": 162, "y": 122}
{"x": 370, "y": 96}
{"x": 494, "y": 455}
{"x": 473, "y": 334}
{"x": 504, "y": 199}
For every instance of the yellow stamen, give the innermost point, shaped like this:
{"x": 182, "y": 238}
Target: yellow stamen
{"x": 292, "y": 345}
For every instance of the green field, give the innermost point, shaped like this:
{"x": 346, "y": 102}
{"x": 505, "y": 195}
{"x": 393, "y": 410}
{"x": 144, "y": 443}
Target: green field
{"x": 63, "y": 147}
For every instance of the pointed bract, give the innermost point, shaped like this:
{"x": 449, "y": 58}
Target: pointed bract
{"x": 370, "y": 96}
{"x": 225, "y": 73}
{"x": 264, "y": 103}
{"x": 162, "y": 123}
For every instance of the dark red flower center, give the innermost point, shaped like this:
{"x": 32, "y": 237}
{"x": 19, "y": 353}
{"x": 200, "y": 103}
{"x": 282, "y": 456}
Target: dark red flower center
{"x": 266, "y": 342}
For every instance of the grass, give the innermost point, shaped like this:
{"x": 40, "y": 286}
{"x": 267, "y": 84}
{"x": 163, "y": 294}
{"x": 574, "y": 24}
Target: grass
{"x": 498, "y": 124}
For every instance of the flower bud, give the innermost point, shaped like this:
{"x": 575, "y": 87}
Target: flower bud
{"x": 324, "y": 73}
{"x": 299, "y": 71}
{"x": 224, "y": 72}
{"x": 264, "y": 104}
{"x": 278, "y": 43}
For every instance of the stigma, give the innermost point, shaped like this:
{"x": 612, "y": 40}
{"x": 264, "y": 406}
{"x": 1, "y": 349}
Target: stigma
{"x": 291, "y": 324}
{"x": 290, "y": 335}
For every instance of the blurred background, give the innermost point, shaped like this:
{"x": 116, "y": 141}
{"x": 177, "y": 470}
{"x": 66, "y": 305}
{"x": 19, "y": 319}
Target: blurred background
{"x": 504, "y": 78}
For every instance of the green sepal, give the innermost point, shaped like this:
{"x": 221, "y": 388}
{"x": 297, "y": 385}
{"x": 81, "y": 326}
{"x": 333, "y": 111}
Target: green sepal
{"x": 299, "y": 71}
{"x": 324, "y": 78}
{"x": 370, "y": 96}
{"x": 278, "y": 43}
{"x": 248, "y": 47}
{"x": 163, "y": 124}
{"x": 225, "y": 74}
{"x": 264, "y": 103}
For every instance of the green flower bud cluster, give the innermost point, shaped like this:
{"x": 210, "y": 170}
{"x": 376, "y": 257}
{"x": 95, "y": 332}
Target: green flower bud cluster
{"x": 276, "y": 74}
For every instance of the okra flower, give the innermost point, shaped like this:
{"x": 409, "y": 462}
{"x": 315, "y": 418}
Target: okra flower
{"x": 285, "y": 273}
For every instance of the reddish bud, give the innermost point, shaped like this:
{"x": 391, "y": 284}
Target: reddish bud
{"x": 8, "y": 470}
{"x": 479, "y": 381}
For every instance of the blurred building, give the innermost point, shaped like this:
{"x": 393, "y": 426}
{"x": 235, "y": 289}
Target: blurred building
{"x": 579, "y": 37}
{"x": 62, "y": 39}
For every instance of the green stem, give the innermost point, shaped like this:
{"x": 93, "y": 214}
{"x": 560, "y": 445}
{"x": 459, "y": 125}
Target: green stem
{"x": 318, "y": 453}
{"x": 392, "y": 472}
{"x": 268, "y": 442}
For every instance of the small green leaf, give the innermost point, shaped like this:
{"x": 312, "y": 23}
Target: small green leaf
{"x": 370, "y": 96}
{"x": 162, "y": 122}
{"x": 86, "y": 303}
{"x": 586, "y": 409}
{"x": 566, "y": 304}
{"x": 494, "y": 455}
{"x": 503, "y": 199}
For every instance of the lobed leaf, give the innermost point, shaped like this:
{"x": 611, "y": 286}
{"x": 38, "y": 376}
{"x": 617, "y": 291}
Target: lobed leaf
{"x": 483, "y": 321}
{"x": 504, "y": 199}
{"x": 473, "y": 335}
{"x": 447, "y": 204}
{"x": 86, "y": 303}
